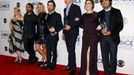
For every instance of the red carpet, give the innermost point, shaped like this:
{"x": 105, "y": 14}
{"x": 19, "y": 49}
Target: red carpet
{"x": 7, "y": 67}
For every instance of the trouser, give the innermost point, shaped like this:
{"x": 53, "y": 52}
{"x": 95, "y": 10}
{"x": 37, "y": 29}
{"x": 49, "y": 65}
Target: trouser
{"x": 51, "y": 45}
{"x": 109, "y": 55}
{"x": 70, "y": 44}
{"x": 29, "y": 47}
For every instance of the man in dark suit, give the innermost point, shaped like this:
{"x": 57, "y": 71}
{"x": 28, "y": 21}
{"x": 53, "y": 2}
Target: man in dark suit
{"x": 29, "y": 33}
{"x": 109, "y": 40}
{"x": 72, "y": 15}
{"x": 54, "y": 23}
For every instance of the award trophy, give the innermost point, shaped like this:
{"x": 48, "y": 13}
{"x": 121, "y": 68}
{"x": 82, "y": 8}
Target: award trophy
{"x": 103, "y": 25}
{"x": 52, "y": 33}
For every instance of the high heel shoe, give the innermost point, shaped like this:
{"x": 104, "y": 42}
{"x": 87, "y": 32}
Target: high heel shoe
{"x": 42, "y": 63}
{"x": 16, "y": 60}
{"x": 20, "y": 60}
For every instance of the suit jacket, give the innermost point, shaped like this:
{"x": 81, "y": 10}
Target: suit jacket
{"x": 74, "y": 12}
{"x": 54, "y": 20}
{"x": 115, "y": 23}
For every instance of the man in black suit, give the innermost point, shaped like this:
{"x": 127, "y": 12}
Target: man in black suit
{"x": 29, "y": 33}
{"x": 54, "y": 23}
{"x": 72, "y": 15}
{"x": 109, "y": 40}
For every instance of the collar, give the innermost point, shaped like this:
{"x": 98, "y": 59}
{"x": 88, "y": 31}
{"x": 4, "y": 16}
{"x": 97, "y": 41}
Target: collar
{"x": 51, "y": 12}
{"x": 108, "y": 9}
{"x": 30, "y": 14}
{"x": 70, "y": 4}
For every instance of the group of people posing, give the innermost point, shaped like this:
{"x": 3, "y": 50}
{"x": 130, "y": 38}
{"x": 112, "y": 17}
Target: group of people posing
{"x": 42, "y": 32}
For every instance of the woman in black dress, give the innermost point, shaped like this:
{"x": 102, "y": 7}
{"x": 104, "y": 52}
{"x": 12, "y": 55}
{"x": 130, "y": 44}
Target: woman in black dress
{"x": 40, "y": 43}
{"x": 15, "y": 41}
{"x": 89, "y": 23}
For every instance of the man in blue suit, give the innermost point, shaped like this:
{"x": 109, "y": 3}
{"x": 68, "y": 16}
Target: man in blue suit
{"x": 72, "y": 15}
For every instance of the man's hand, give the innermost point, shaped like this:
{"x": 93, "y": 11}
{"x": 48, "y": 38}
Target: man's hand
{"x": 77, "y": 19}
{"x": 105, "y": 32}
{"x": 99, "y": 27}
{"x": 67, "y": 27}
{"x": 52, "y": 29}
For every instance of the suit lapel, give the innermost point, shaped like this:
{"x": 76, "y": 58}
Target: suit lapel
{"x": 103, "y": 16}
{"x": 70, "y": 9}
{"x": 65, "y": 11}
{"x": 111, "y": 16}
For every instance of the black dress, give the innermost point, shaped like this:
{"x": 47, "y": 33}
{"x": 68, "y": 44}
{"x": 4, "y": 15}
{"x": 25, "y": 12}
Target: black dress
{"x": 42, "y": 29}
{"x": 89, "y": 23}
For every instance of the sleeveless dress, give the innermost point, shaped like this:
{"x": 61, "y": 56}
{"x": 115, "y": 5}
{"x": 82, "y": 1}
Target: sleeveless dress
{"x": 15, "y": 38}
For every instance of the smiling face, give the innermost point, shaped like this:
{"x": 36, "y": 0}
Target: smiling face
{"x": 17, "y": 12}
{"x": 105, "y": 4}
{"x": 88, "y": 5}
{"x": 29, "y": 8}
{"x": 50, "y": 6}
{"x": 40, "y": 8}
{"x": 68, "y": 2}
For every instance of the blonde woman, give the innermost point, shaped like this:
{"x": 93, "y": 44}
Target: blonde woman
{"x": 16, "y": 45}
{"x": 42, "y": 31}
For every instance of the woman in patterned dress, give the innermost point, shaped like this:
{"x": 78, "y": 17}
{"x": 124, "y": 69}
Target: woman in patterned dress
{"x": 15, "y": 42}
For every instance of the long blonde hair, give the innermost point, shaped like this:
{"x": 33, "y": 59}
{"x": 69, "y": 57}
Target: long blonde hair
{"x": 18, "y": 9}
{"x": 42, "y": 6}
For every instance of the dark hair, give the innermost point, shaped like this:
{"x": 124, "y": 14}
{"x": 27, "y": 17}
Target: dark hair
{"x": 31, "y": 5}
{"x": 110, "y": 1}
{"x": 52, "y": 1}
{"x": 92, "y": 1}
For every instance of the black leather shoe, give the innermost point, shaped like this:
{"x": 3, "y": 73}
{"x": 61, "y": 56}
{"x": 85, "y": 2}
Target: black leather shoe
{"x": 66, "y": 68}
{"x": 42, "y": 63}
{"x": 35, "y": 59}
{"x": 46, "y": 67}
{"x": 29, "y": 61}
{"x": 72, "y": 72}
{"x": 52, "y": 68}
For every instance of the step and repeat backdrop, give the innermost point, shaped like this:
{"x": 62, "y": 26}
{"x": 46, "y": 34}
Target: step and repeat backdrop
{"x": 126, "y": 47}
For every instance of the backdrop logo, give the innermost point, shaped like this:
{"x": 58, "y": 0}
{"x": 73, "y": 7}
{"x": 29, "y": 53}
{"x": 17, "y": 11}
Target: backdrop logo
{"x": 96, "y": 1}
{"x": 4, "y": 34}
{"x": 4, "y": 5}
{"x": 4, "y": 20}
{"x": 124, "y": 2}
{"x": 125, "y": 20}
{"x": 120, "y": 63}
{"x": 78, "y": 40}
{"x": 127, "y": 42}
{"x": 34, "y": 2}
{"x": 6, "y": 48}
{"x": 18, "y": 4}
{"x": 99, "y": 61}
{"x": 77, "y": 2}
